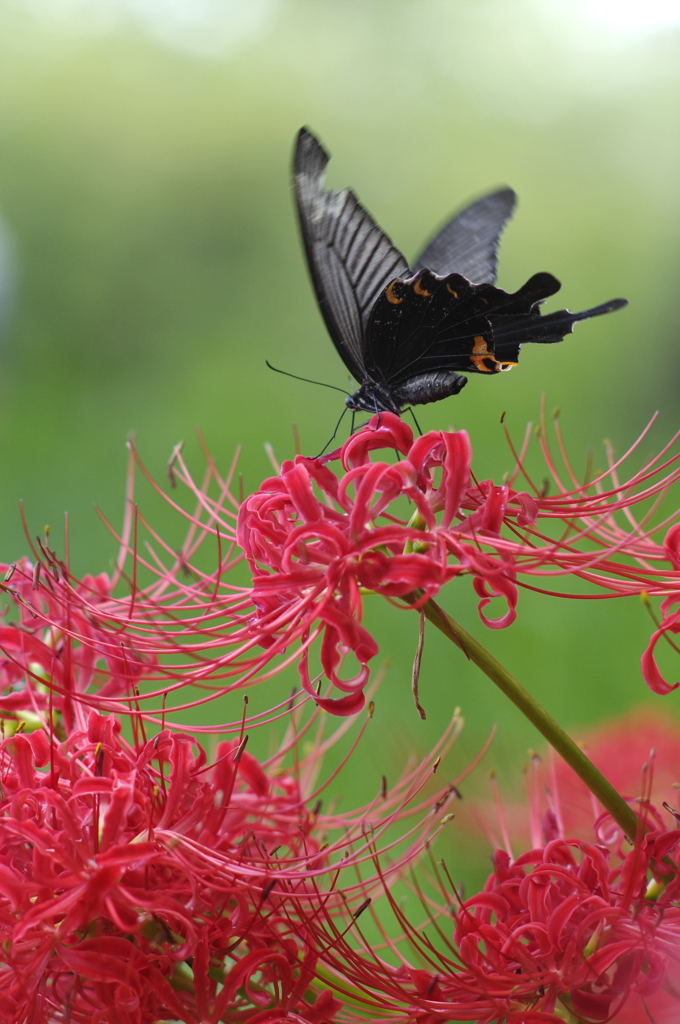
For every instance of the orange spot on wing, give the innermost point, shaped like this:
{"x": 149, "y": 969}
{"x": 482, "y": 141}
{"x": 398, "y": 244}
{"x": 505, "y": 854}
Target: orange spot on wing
{"x": 450, "y": 289}
{"x": 419, "y": 290}
{"x": 390, "y": 296}
{"x": 481, "y": 357}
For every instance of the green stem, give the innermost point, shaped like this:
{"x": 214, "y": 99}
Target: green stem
{"x": 623, "y": 815}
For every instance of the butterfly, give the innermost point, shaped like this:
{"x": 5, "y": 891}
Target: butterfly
{"x": 407, "y": 334}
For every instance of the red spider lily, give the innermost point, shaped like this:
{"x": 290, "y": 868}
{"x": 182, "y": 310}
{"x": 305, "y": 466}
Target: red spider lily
{"x": 140, "y": 883}
{"x": 586, "y": 929}
{"x": 315, "y": 541}
{"x": 129, "y": 641}
{"x": 104, "y": 893}
{"x": 182, "y": 628}
{"x": 322, "y": 548}
{"x": 566, "y": 928}
{"x": 165, "y": 631}
{"x": 562, "y": 927}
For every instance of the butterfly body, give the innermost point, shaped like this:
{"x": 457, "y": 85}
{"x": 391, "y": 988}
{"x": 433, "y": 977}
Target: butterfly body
{"x": 408, "y": 336}
{"x": 373, "y": 396}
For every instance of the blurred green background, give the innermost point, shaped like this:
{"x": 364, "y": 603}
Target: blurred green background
{"x": 154, "y": 264}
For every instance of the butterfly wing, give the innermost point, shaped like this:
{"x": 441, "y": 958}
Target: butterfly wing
{"x": 428, "y": 324}
{"x": 511, "y": 331}
{"x": 351, "y": 260}
{"x": 468, "y": 244}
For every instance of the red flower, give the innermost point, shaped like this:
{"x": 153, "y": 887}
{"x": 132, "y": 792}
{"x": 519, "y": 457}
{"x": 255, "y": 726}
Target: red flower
{"x": 322, "y": 540}
{"x": 566, "y": 926}
{"x": 140, "y": 883}
{"x": 121, "y": 865}
{"x": 570, "y": 928}
{"x": 157, "y": 627}
{"x": 316, "y": 541}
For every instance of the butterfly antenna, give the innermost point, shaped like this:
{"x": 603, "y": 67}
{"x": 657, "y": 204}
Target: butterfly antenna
{"x": 332, "y": 437}
{"x": 307, "y": 381}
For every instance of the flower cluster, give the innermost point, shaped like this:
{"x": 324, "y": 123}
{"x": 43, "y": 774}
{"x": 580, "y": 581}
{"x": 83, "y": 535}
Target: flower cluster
{"x": 139, "y": 882}
{"x": 132, "y": 879}
{"x": 320, "y": 549}
{"x": 316, "y": 542}
{"x": 318, "y": 537}
{"x": 159, "y": 629}
{"x": 573, "y": 929}
{"x": 553, "y": 926}
{"x": 142, "y": 879}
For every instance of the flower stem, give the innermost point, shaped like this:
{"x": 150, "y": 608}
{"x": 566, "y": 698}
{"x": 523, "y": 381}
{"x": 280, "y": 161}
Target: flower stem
{"x": 624, "y": 816}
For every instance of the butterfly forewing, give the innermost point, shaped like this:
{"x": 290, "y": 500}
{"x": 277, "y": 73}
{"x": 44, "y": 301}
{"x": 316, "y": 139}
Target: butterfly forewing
{"x": 468, "y": 244}
{"x": 351, "y": 260}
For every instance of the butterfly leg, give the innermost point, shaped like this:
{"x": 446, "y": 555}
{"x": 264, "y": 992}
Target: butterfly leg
{"x": 410, "y": 409}
{"x": 359, "y": 426}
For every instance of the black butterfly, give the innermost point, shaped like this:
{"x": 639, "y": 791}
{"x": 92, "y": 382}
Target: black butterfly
{"x": 405, "y": 334}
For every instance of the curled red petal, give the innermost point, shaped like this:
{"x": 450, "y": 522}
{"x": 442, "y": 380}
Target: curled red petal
{"x": 384, "y": 430}
{"x": 650, "y": 670}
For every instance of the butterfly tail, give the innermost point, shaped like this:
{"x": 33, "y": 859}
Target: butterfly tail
{"x": 606, "y": 307}
{"x": 511, "y": 331}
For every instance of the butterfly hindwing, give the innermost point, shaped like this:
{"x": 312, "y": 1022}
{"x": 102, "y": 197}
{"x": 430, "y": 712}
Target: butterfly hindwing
{"x": 425, "y": 323}
{"x": 468, "y": 244}
{"x": 351, "y": 260}
{"x": 428, "y": 323}
{"x": 511, "y": 331}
